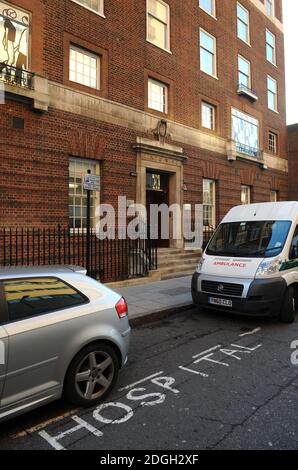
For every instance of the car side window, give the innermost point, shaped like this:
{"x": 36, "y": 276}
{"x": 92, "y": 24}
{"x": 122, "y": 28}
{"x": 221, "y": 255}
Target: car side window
{"x": 29, "y": 297}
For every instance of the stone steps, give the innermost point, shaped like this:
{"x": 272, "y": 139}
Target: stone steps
{"x": 175, "y": 262}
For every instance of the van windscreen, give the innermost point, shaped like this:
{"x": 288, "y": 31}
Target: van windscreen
{"x": 256, "y": 239}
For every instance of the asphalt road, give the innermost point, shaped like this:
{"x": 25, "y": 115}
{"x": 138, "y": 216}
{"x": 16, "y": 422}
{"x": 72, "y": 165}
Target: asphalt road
{"x": 207, "y": 381}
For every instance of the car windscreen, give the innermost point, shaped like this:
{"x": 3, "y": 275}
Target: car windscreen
{"x": 253, "y": 239}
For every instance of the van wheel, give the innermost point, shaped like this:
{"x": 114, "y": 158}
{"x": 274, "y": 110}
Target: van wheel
{"x": 91, "y": 375}
{"x": 287, "y": 312}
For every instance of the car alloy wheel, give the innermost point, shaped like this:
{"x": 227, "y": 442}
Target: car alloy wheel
{"x": 91, "y": 375}
{"x": 94, "y": 375}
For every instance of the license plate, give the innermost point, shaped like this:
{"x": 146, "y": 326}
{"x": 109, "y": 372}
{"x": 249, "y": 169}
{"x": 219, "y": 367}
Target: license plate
{"x": 220, "y": 302}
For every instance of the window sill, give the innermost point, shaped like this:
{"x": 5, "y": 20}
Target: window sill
{"x": 90, "y": 9}
{"x": 209, "y": 14}
{"x": 209, "y": 131}
{"x": 272, "y": 63}
{"x": 159, "y": 47}
{"x": 95, "y": 90}
{"x": 210, "y": 75}
{"x": 245, "y": 42}
{"x": 273, "y": 111}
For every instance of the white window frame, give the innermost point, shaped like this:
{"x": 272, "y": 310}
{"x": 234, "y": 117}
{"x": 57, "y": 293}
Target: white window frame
{"x": 212, "y": 205}
{"x": 251, "y": 120}
{"x": 100, "y": 13}
{"x": 246, "y": 192}
{"x": 94, "y": 196}
{"x": 273, "y": 195}
{"x": 240, "y": 57}
{"x": 213, "y": 9}
{"x": 166, "y": 94}
{"x": 213, "y": 115}
{"x": 247, "y": 25}
{"x": 214, "y": 54}
{"x": 272, "y": 8}
{"x": 269, "y": 45}
{"x": 275, "y": 95}
{"x": 168, "y": 24}
{"x": 92, "y": 55}
{"x": 275, "y": 140}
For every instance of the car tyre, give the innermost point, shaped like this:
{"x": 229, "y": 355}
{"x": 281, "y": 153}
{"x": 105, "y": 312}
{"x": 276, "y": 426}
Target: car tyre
{"x": 287, "y": 312}
{"x": 91, "y": 375}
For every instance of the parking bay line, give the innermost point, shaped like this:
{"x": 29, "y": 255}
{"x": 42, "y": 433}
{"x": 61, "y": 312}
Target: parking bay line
{"x": 256, "y": 330}
{"x": 140, "y": 381}
{"x": 207, "y": 351}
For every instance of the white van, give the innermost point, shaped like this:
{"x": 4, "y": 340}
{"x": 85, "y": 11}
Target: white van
{"x": 250, "y": 265}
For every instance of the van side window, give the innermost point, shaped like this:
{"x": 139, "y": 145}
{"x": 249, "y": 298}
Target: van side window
{"x": 294, "y": 245}
{"x": 36, "y": 296}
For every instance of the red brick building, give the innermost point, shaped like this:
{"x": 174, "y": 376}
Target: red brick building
{"x": 168, "y": 101}
{"x": 293, "y": 161}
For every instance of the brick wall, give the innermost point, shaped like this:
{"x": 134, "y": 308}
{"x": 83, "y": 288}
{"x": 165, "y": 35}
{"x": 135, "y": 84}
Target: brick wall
{"x": 293, "y": 161}
{"x": 122, "y": 35}
{"x": 34, "y": 161}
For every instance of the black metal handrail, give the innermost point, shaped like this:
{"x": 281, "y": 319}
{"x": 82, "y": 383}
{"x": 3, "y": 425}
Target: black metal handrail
{"x": 16, "y": 76}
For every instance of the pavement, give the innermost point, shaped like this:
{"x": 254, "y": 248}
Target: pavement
{"x": 157, "y": 297}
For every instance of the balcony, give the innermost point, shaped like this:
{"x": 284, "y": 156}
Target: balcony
{"x": 249, "y": 151}
{"x": 25, "y": 86}
{"x": 16, "y": 77}
{"x": 248, "y": 92}
{"x": 238, "y": 151}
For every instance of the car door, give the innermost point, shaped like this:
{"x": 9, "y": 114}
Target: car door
{"x": 3, "y": 341}
{"x": 36, "y": 336}
{"x": 3, "y": 358}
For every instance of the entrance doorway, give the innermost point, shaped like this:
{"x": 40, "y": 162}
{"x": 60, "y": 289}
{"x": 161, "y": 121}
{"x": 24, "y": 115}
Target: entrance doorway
{"x": 157, "y": 192}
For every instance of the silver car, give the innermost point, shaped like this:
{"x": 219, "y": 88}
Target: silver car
{"x": 61, "y": 333}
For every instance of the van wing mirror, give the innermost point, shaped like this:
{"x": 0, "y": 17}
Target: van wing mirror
{"x": 294, "y": 252}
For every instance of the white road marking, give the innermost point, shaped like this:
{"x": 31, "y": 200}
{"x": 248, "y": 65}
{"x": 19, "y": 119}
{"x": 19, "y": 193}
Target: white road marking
{"x": 207, "y": 351}
{"x": 140, "y": 382}
{"x": 166, "y": 383}
{"x": 53, "y": 440}
{"x": 251, "y": 332}
{"x": 98, "y": 417}
{"x": 186, "y": 369}
{"x": 159, "y": 397}
{"x": 207, "y": 358}
{"x": 248, "y": 349}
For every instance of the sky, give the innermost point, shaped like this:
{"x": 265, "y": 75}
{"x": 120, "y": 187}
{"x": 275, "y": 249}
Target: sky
{"x": 290, "y": 8}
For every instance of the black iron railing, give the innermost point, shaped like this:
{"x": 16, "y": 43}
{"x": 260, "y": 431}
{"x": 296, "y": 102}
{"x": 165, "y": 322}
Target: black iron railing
{"x": 250, "y": 151}
{"x": 253, "y": 94}
{"x": 109, "y": 259}
{"x": 208, "y": 233}
{"x": 16, "y": 76}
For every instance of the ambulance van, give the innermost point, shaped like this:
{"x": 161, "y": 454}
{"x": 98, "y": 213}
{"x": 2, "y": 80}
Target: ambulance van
{"x": 250, "y": 265}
